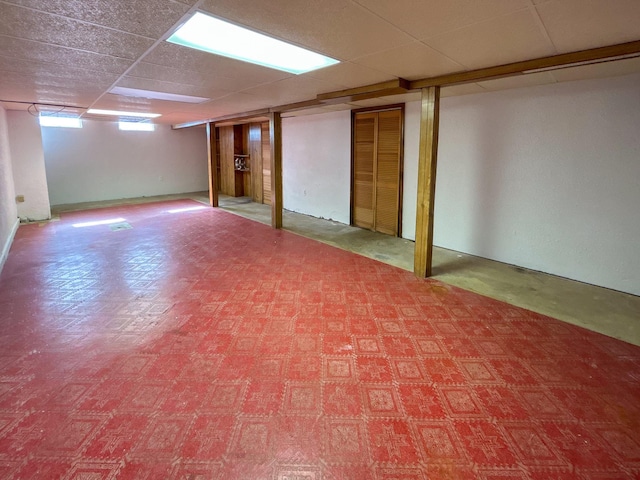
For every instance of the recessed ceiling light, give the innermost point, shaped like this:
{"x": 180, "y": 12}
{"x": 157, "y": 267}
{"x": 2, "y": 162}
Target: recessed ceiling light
{"x": 171, "y": 97}
{"x": 213, "y": 35}
{"x": 116, "y": 113}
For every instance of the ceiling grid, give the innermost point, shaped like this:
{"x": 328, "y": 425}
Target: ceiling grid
{"x": 73, "y": 52}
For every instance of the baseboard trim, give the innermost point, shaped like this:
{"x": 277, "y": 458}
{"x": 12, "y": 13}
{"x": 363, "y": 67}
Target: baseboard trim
{"x": 7, "y": 245}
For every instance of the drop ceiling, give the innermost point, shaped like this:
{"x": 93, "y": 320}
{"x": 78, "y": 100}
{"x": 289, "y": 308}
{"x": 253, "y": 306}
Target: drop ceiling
{"x": 72, "y": 52}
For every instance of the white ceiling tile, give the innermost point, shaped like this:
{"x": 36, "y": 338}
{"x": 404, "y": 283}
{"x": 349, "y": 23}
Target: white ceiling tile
{"x": 149, "y": 18}
{"x": 51, "y": 79}
{"x": 235, "y": 103}
{"x": 292, "y": 90}
{"x": 188, "y": 112}
{"x": 16, "y": 86}
{"x": 338, "y": 28}
{"x": 600, "y": 70}
{"x": 412, "y": 61}
{"x": 206, "y": 64}
{"x": 175, "y": 118}
{"x": 504, "y": 39}
{"x": 119, "y": 102}
{"x": 203, "y": 77}
{"x": 42, "y": 72}
{"x": 350, "y": 74}
{"x": 32, "y": 25}
{"x": 54, "y": 54}
{"x": 427, "y": 18}
{"x": 169, "y": 87}
{"x": 581, "y": 24}
{"x": 167, "y": 74}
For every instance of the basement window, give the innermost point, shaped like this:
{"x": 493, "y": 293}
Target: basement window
{"x": 213, "y": 35}
{"x": 136, "y": 126}
{"x": 60, "y": 121}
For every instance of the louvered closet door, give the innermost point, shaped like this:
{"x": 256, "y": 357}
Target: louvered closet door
{"x": 364, "y": 153}
{"x": 377, "y": 170}
{"x": 388, "y": 172}
{"x": 266, "y": 164}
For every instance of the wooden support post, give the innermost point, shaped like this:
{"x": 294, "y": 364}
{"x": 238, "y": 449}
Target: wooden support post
{"x": 275, "y": 137}
{"x": 212, "y": 153}
{"x": 427, "y": 161}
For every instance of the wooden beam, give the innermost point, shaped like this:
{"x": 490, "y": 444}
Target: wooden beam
{"x": 427, "y": 161}
{"x": 225, "y": 118}
{"x": 400, "y": 85}
{"x": 563, "y": 60}
{"x": 212, "y": 152}
{"x": 275, "y": 137}
{"x": 292, "y": 107}
{"x": 392, "y": 87}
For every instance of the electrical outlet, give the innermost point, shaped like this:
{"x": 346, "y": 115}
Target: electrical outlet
{"x": 19, "y": 198}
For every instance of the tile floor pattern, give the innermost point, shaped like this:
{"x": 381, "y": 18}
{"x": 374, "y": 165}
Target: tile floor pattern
{"x": 198, "y": 345}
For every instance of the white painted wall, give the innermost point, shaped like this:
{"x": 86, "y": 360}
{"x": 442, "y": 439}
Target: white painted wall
{"x": 100, "y": 162}
{"x": 546, "y": 177}
{"x": 316, "y": 165}
{"x": 27, "y": 158}
{"x": 8, "y": 213}
{"x": 410, "y": 177}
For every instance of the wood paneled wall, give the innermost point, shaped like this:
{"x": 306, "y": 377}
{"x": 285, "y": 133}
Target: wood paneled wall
{"x": 255, "y": 150}
{"x": 227, "y": 169}
{"x": 234, "y": 140}
{"x": 248, "y": 139}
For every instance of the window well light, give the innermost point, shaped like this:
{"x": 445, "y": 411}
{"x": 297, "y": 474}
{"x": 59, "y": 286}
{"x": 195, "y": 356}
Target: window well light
{"x": 216, "y": 36}
{"x": 108, "y": 221}
{"x": 186, "y": 209}
{"x": 136, "y": 126}
{"x": 55, "y": 121}
{"x": 116, "y": 113}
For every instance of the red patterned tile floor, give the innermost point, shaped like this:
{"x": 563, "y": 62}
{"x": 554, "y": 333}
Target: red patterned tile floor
{"x": 200, "y": 345}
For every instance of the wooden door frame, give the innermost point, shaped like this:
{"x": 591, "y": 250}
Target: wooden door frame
{"x": 395, "y": 106}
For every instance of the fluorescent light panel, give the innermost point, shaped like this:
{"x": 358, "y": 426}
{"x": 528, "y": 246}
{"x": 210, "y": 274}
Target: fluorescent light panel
{"x": 170, "y": 97}
{"x": 64, "y": 122}
{"x": 136, "y": 126}
{"x": 116, "y": 113}
{"x": 216, "y": 36}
